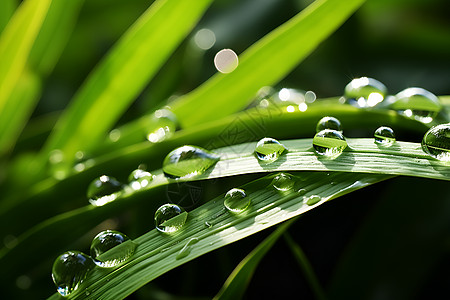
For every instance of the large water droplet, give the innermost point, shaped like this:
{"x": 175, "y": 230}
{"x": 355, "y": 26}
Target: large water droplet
{"x": 436, "y": 142}
{"x": 329, "y": 143}
{"x": 170, "y": 218}
{"x": 329, "y": 123}
{"x": 226, "y": 60}
{"x": 166, "y": 122}
{"x": 365, "y": 92}
{"x": 269, "y": 150}
{"x": 69, "y": 270}
{"x": 283, "y": 182}
{"x": 417, "y": 103}
{"x": 313, "y": 199}
{"x": 236, "y": 200}
{"x": 139, "y": 178}
{"x": 187, "y": 248}
{"x": 106, "y": 240}
{"x": 188, "y": 161}
{"x": 103, "y": 190}
{"x": 384, "y": 136}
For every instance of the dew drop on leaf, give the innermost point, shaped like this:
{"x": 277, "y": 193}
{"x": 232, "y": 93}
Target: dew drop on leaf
{"x": 170, "y": 218}
{"x": 329, "y": 123}
{"x": 269, "y": 150}
{"x": 313, "y": 199}
{"x": 384, "y": 136}
{"x": 69, "y": 270}
{"x": 166, "y": 124}
{"x": 106, "y": 240}
{"x": 365, "y": 92}
{"x": 188, "y": 161}
{"x": 103, "y": 190}
{"x": 139, "y": 178}
{"x": 329, "y": 143}
{"x": 436, "y": 142}
{"x": 186, "y": 248}
{"x": 236, "y": 200}
{"x": 283, "y": 182}
{"x": 417, "y": 103}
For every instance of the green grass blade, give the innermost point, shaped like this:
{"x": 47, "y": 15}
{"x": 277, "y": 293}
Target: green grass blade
{"x": 7, "y": 8}
{"x": 54, "y": 34}
{"x": 264, "y": 63}
{"x": 362, "y": 156}
{"x": 306, "y": 267}
{"x": 124, "y": 72}
{"x": 236, "y": 284}
{"x": 16, "y": 113}
{"x": 16, "y": 42}
{"x": 157, "y": 253}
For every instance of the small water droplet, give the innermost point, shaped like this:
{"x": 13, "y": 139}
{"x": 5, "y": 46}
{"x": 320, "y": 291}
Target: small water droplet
{"x": 106, "y": 240}
{"x": 236, "y": 200}
{"x": 313, "y": 199}
{"x": 329, "y": 123}
{"x": 384, "y": 136}
{"x": 170, "y": 218}
{"x": 103, "y": 190}
{"x": 436, "y": 142}
{"x": 302, "y": 192}
{"x": 69, "y": 271}
{"x": 329, "y": 143}
{"x": 269, "y": 150}
{"x": 166, "y": 124}
{"x": 188, "y": 161}
{"x": 87, "y": 293}
{"x": 139, "y": 178}
{"x": 207, "y": 224}
{"x": 283, "y": 182}
{"x": 365, "y": 92}
{"x": 187, "y": 248}
{"x": 417, "y": 103}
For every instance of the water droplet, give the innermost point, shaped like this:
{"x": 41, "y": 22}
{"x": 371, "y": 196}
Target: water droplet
{"x": 384, "y": 136}
{"x": 139, "y": 178}
{"x": 436, "y": 142}
{"x": 103, "y": 190}
{"x": 188, "y": 161}
{"x": 236, "y": 200}
{"x": 187, "y": 248}
{"x": 329, "y": 143}
{"x": 329, "y": 123}
{"x": 106, "y": 240}
{"x": 417, "y": 103}
{"x": 313, "y": 199}
{"x": 226, "y": 61}
{"x": 170, "y": 218}
{"x": 302, "y": 191}
{"x": 365, "y": 92}
{"x": 69, "y": 270}
{"x": 87, "y": 293}
{"x": 166, "y": 124}
{"x": 269, "y": 150}
{"x": 207, "y": 224}
{"x": 283, "y": 182}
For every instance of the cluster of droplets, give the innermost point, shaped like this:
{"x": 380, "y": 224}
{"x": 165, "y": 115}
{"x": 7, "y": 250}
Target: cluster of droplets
{"x": 71, "y": 268}
{"x": 415, "y": 103}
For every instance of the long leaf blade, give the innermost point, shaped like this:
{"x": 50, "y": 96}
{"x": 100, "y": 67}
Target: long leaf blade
{"x": 119, "y": 78}
{"x": 16, "y": 42}
{"x": 264, "y": 63}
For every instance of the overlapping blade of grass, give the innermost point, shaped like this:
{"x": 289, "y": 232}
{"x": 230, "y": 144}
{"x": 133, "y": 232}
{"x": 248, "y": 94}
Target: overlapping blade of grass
{"x": 238, "y": 280}
{"x": 16, "y": 42}
{"x": 158, "y": 253}
{"x": 55, "y": 32}
{"x": 122, "y": 75}
{"x": 16, "y": 112}
{"x": 362, "y": 156}
{"x": 264, "y": 63}
{"x": 7, "y": 8}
